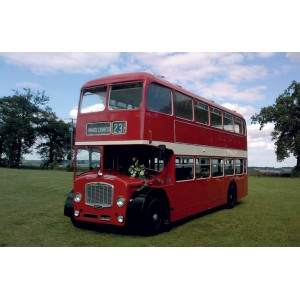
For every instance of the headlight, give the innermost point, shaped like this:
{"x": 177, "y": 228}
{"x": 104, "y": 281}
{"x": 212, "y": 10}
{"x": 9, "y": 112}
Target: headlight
{"x": 120, "y": 219}
{"x": 76, "y": 213}
{"x": 77, "y": 197}
{"x": 120, "y": 201}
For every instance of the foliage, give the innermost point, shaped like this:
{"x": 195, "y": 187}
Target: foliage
{"x": 54, "y": 142}
{"x": 53, "y": 165}
{"x": 18, "y": 120}
{"x": 285, "y": 114}
{"x": 296, "y": 172}
{"x": 25, "y": 121}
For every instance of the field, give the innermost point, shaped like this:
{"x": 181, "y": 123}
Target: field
{"x": 32, "y": 202}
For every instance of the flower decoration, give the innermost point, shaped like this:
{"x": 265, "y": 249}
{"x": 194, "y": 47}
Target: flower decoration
{"x": 138, "y": 171}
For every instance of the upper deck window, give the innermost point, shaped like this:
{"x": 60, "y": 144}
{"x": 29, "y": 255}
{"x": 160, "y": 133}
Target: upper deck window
{"x": 238, "y": 127}
{"x": 216, "y": 117}
{"x": 183, "y": 106}
{"x": 126, "y": 95}
{"x": 159, "y": 99}
{"x": 93, "y": 99}
{"x": 228, "y": 124}
{"x": 201, "y": 112}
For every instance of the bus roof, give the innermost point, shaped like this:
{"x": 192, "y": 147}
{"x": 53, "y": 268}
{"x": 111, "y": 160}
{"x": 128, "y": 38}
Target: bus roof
{"x": 154, "y": 78}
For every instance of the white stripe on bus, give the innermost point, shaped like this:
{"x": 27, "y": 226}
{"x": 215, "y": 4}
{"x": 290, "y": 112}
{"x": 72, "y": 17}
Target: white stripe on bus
{"x": 178, "y": 148}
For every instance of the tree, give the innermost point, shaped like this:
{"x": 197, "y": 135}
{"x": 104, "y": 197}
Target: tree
{"x": 54, "y": 143}
{"x": 18, "y": 117}
{"x": 285, "y": 114}
{"x": 2, "y": 130}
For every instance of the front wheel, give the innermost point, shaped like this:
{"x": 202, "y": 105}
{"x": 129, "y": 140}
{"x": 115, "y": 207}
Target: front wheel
{"x": 153, "y": 217}
{"x": 231, "y": 196}
{"x": 76, "y": 223}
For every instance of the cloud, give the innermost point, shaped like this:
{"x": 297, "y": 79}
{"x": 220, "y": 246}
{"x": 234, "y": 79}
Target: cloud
{"x": 182, "y": 67}
{"x": 28, "y": 84}
{"x": 86, "y": 63}
{"x": 238, "y": 73}
{"x": 266, "y": 157}
{"x": 201, "y": 65}
{"x": 294, "y": 56}
{"x": 254, "y": 132}
{"x": 261, "y": 151}
{"x": 178, "y": 67}
{"x": 230, "y": 58}
{"x": 261, "y": 148}
{"x": 265, "y": 54}
{"x": 212, "y": 75}
{"x": 73, "y": 113}
{"x": 246, "y": 111}
{"x": 260, "y": 138}
{"x": 231, "y": 92}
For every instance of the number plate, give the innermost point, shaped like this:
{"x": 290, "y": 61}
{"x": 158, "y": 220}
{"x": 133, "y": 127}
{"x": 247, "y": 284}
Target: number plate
{"x": 119, "y": 127}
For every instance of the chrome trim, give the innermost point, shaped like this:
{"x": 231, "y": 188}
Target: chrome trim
{"x": 99, "y": 194}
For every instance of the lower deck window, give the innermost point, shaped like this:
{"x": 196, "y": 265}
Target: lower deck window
{"x": 202, "y": 167}
{"x": 184, "y": 166}
{"x": 217, "y": 167}
{"x": 239, "y": 164}
{"x": 229, "y": 168}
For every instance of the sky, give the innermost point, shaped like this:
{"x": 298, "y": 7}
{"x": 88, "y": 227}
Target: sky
{"x": 242, "y": 81}
{"x": 240, "y": 54}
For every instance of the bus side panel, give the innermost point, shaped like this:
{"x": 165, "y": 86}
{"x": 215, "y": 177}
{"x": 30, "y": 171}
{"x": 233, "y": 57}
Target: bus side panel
{"x": 191, "y": 134}
{"x": 158, "y": 127}
{"x": 133, "y": 121}
{"x": 242, "y": 185}
{"x": 192, "y": 197}
{"x": 188, "y": 198}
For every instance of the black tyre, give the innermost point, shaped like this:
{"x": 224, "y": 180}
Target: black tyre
{"x": 231, "y": 196}
{"x": 153, "y": 217}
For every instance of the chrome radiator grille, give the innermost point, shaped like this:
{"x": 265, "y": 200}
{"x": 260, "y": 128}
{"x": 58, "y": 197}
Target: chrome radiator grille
{"x": 99, "y": 194}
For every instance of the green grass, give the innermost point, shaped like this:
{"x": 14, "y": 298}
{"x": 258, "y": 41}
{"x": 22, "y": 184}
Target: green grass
{"x": 32, "y": 202}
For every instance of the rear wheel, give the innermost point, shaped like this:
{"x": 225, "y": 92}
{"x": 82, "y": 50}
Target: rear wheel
{"x": 153, "y": 217}
{"x": 231, "y": 196}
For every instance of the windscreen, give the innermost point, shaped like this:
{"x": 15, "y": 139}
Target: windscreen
{"x": 93, "y": 99}
{"x": 126, "y": 95}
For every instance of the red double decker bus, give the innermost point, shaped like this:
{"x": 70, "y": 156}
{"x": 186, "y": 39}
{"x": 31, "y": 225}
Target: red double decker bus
{"x": 148, "y": 153}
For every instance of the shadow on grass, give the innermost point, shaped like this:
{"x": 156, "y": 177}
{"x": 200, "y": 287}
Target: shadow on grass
{"x": 124, "y": 230}
{"x": 201, "y": 215}
{"x": 102, "y": 228}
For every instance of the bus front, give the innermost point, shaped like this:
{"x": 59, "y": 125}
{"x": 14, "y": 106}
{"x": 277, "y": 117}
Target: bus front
{"x": 109, "y": 140}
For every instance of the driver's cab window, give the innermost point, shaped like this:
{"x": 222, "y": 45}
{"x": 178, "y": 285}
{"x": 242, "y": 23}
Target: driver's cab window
{"x": 87, "y": 159}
